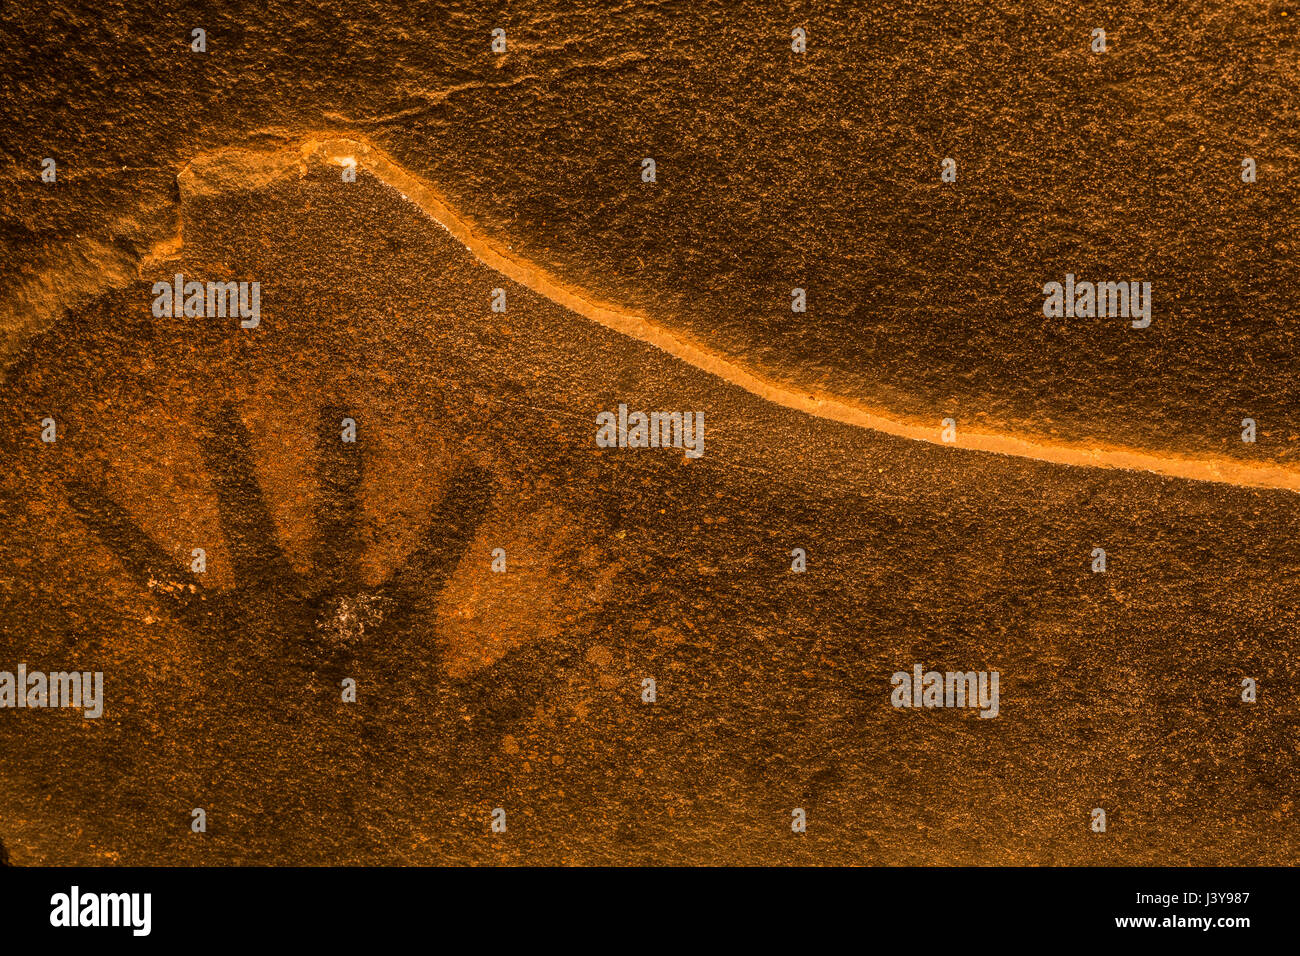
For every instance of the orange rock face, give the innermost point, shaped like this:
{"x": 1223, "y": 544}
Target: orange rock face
{"x": 364, "y": 584}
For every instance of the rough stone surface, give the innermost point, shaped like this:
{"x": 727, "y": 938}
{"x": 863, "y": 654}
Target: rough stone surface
{"x": 480, "y": 690}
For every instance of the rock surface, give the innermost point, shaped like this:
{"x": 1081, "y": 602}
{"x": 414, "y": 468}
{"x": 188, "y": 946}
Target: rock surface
{"x": 522, "y": 690}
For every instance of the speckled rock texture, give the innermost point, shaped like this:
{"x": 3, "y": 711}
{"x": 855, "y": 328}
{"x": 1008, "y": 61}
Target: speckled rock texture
{"x": 523, "y": 690}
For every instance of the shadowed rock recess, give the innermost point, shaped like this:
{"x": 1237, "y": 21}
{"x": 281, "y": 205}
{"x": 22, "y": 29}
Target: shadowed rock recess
{"x": 522, "y": 690}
